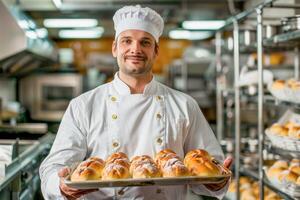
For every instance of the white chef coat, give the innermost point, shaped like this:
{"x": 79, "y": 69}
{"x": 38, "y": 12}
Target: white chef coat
{"x": 109, "y": 119}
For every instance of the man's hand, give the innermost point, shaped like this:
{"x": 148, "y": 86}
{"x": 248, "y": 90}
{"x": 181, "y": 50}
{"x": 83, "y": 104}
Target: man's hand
{"x": 215, "y": 187}
{"x": 68, "y": 192}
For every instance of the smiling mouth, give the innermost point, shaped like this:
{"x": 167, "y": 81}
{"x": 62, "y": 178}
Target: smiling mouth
{"x": 135, "y": 58}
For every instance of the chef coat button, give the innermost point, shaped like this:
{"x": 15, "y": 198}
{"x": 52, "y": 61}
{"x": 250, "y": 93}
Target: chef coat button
{"x": 115, "y": 144}
{"x": 158, "y": 191}
{"x": 159, "y": 141}
{"x": 121, "y": 192}
{"x": 114, "y": 116}
{"x": 113, "y": 98}
{"x": 158, "y": 98}
{"x": 158, "y": 116}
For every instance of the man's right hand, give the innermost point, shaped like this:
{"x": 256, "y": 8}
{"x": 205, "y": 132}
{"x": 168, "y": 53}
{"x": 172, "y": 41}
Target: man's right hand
{"x": 68, "y": 192}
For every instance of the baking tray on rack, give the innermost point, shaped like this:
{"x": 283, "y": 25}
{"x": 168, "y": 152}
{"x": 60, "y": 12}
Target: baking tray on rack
{"x": 132, "y": 182}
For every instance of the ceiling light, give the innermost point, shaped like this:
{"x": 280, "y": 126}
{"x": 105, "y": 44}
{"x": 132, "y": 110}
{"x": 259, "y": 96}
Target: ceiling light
{"x": 189, "y": 35}
{"x": 203, "y": 24}
{"x": 81, "y": 33}
{"x": 70, "y": 23}
{"x": 57, "y": 3}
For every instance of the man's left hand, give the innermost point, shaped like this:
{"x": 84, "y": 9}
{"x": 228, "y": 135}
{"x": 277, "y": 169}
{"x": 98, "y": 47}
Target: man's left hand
{"x": 215, "y": 187}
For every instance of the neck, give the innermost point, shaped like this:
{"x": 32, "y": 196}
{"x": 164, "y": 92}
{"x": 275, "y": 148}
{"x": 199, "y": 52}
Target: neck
{"x": 136, "y": 83}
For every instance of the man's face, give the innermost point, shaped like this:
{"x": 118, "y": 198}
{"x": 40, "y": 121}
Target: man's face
{"x": 135, "y": 51}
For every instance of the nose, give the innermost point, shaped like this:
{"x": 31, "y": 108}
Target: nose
{"x": 135, "y": 47}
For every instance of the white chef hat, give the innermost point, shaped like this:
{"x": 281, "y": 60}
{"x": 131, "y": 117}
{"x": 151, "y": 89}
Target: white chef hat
{"x": 138, "y": 18}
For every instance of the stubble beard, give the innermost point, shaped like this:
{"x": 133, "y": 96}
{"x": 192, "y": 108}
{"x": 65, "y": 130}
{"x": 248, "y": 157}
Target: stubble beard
{"x": 139, "y": 71}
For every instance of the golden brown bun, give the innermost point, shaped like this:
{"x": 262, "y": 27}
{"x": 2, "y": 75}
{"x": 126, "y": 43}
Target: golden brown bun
{"x": 162, "y": 159}
{"x": 298, "y": 181}
{"x": 295, "y": 161}
{"x": 137, "y": 160}
{"x": 113, "y": 171}
{"x": 119, "y": 158}
{"x": 145, "y": 170}
{"x": 174, "y": 168}
{"x": 95, "y": 158}
{"x": 295, "y": 86}
{"x": 198, "y": 153}
{"x": 163, "y": 153}
{"x": 295, "y": 169}
{"x": 274, "y": 172}
{"x": 95, "y": 165}
{"x": 290, "y": 124}
{"x": 118, "y": 155}
{"x": 294, "y": 132}
{"x": 278, "y": 129}
{"x": 85, "y": 174}
{"x": 248, "y": 195}
{"x": 281, "y": 164}
{"x": 291, "y": 82}
{"x": 278, "y": 84}
{"x": 203, "y": 167}
{"x": 288, "y": 176}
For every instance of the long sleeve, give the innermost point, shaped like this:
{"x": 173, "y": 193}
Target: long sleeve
{"x": 200, "y": 135}
{"x": 69, "y": 147}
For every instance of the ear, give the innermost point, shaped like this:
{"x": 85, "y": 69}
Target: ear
{"x": 156, "y": 49}
{"x": 114, "y": 48}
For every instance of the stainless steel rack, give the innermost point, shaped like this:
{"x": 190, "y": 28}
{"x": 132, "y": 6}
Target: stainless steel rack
{"x": 289, "y": 40}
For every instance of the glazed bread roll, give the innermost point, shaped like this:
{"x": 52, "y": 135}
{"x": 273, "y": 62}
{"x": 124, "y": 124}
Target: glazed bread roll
{"x": 274, "y": 172}
{"x": 203, "y": 167}
{"x": 118, "y": 158}
{"x": 288, "y": 176}
{"x": 295, "y": 168}
{"x": 84, "y": 174}
{"x": 113, "y": 171}
{"x": 294, "y": 132}
{"x": 138, "y": 160}
{"x": 144, "y": 167}
{"x": 196, "y": 153}
{"x": 162, "y": 157}
{"x": 298, "y": 181}
{"x": 278, "y": 129}
{"x": 174, "y": 168}
{"x": 116, "y": 167}
{"x": 90, "y": 169}
{"x": 280, "y": 164}
{"x": 278, "y": 84}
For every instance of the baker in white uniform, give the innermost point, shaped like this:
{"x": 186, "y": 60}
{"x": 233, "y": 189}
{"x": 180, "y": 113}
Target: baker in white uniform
{"x": 133, "y": 114}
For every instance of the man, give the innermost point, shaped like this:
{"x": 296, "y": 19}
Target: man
{"x": 133, "y": 114}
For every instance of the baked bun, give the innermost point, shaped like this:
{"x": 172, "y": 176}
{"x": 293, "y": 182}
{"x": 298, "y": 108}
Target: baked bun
{"x": 298, "y": 181}
{"x": 113, "y": 171}
{"x": 295, "y": 168}
{"x": 144, "y": 167}
{"x": 194, "y": 154}
{"x": 295, "y": 161}
{"x": 163, "y": 156}
{"x": 174, "y": 168}
{"x": 274, "y": 172}
{"x": 85, "y": 174}
{"x": 200, "y": 166}
{"x": 294, "y": 132}
{"x": 278, "y": 84}
{"x": 90, "y": 169}
{"x": 119, "y": 158}
{"x": 291, "y": 82}
{"x": 278, "y": 129}
{"x": 280, "y": 164}
{"x": 288, "y": 176}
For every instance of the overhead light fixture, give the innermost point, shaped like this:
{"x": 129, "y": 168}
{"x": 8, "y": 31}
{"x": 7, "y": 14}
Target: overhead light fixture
{"x": 82, "y": 33}
{"x": 203, "y": 24}
{"x": 190, "y": 35}
{"x": 57, "y": 3}
{"x": 70, "y": 23}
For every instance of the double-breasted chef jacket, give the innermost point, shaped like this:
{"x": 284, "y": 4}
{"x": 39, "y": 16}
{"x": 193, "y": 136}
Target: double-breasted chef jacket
{"x": 110, "y": 119}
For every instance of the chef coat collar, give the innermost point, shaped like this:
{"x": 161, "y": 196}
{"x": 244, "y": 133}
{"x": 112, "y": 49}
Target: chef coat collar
{"x": 123, "y": 89}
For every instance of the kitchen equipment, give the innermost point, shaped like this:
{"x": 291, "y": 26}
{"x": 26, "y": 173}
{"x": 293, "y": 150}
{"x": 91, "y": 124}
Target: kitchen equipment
{"x": 290, "y": 23}
{"x": 47, "y": 96}
{"x": 147, "y": 181}
{"x": 247, "y": 37}
{"x": 271, "y": 30}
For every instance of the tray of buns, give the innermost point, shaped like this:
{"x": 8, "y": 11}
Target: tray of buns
{"x": 286, "y": 90}
{"x": 167, "y": 168}
{"x": 285, "y": 176}
{"x": 285, "y": 133}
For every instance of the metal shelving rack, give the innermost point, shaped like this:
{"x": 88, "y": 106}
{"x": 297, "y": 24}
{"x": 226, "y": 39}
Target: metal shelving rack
{"x": 285, "y": 40}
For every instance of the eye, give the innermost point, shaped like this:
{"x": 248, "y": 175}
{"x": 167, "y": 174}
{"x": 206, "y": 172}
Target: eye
{"x": 146, "y": 43}
{"x": 126, "y": 41}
